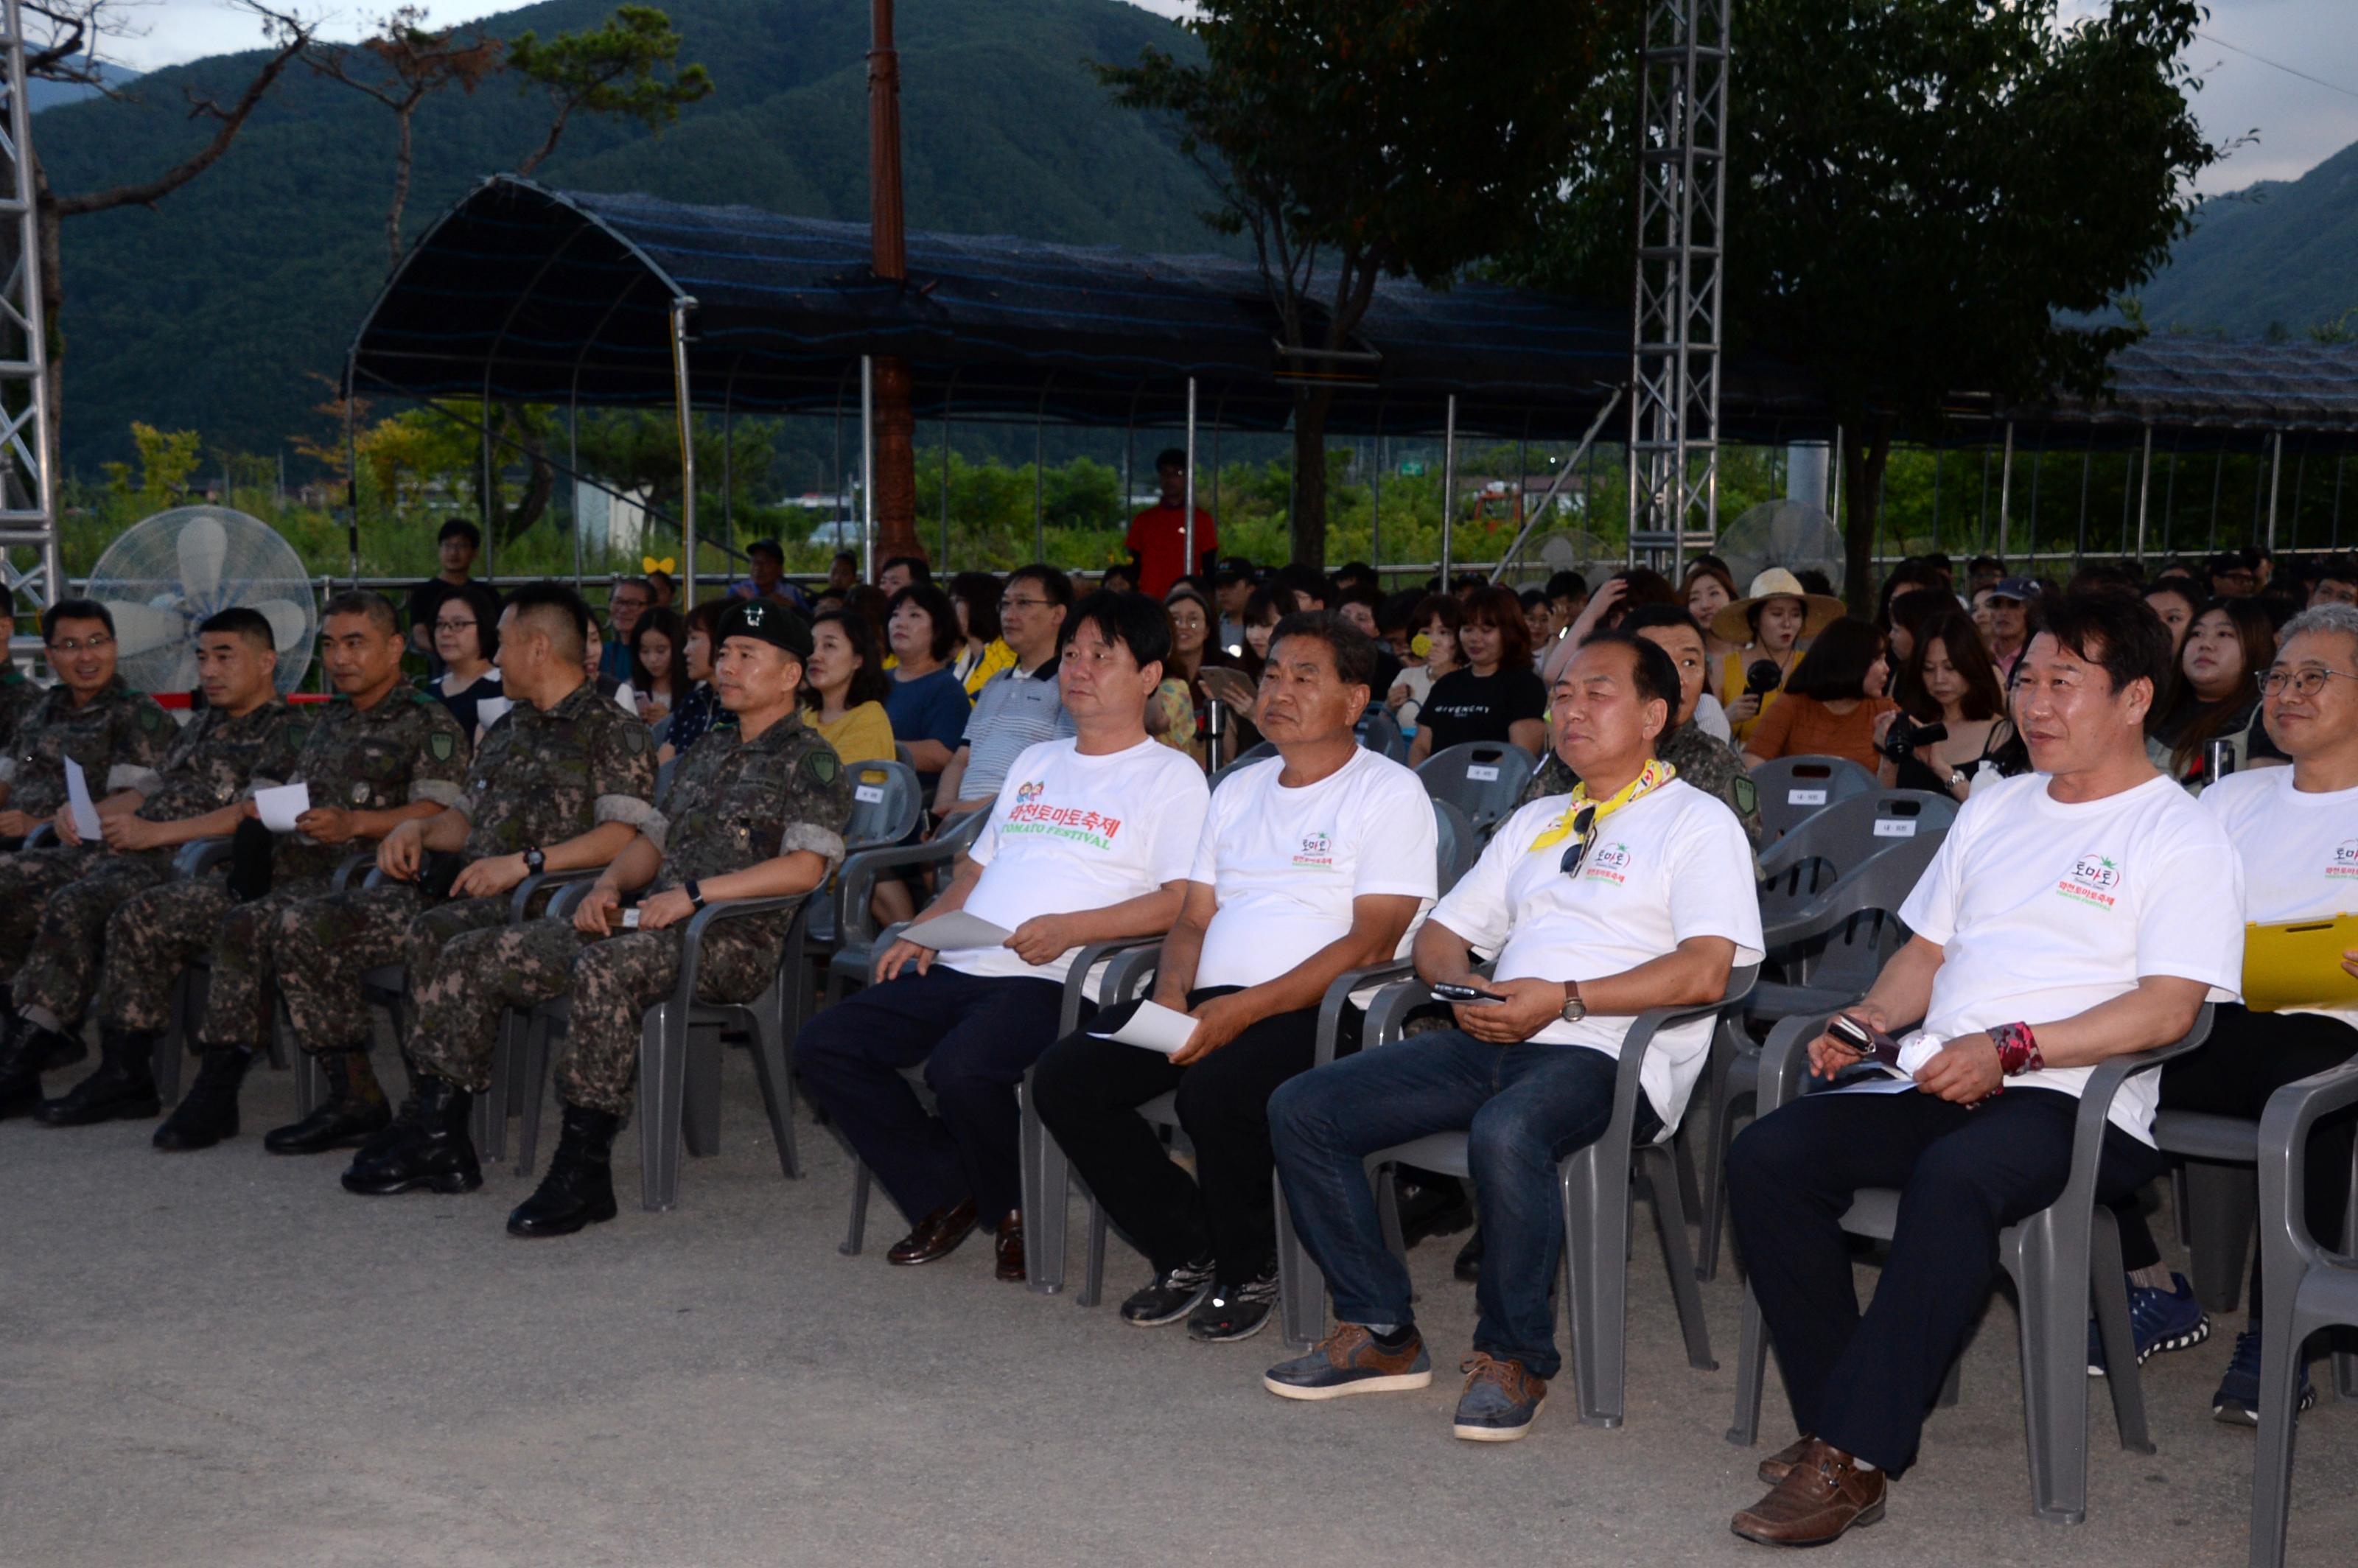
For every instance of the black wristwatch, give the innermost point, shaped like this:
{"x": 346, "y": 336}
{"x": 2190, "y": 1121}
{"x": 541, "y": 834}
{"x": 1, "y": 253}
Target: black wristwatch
{"x": 694, "y": 894}
{"x": 535, "y": 859}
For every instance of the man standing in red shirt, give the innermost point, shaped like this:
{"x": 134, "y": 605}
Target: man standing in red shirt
{"x": 1157, "y": 540}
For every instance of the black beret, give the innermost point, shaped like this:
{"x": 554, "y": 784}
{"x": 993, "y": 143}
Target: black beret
{"x": 772, "y": 623}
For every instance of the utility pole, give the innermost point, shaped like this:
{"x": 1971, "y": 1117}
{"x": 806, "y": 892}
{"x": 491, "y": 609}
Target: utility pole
{"x": 895, "y": 429}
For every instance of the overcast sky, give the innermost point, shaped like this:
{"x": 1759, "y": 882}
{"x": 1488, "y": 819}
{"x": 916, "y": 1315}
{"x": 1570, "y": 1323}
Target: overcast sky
{"x": 2299, "y": 122}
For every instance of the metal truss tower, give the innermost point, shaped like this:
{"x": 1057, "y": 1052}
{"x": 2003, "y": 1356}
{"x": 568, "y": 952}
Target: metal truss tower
{"x": 1675, "y": 347}
{"x": 27, "y": 497}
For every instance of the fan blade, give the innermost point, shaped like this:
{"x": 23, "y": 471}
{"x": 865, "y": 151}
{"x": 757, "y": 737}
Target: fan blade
{"x": 142, "y": 628}
{"x": 203, "y": 545}
{"x": 289, "y": 621}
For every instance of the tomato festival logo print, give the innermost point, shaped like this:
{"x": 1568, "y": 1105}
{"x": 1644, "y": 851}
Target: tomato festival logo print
{"x": 2094, "y": 878}
{"x": 1608, "y": 863}
{"x": 2344, "y": 864}
{"x": 1317, "y": 850}
{"x": 1031, "y": 816}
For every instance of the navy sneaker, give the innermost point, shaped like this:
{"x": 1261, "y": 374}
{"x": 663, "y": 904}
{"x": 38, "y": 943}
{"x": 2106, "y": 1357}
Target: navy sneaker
{"x": 2159, "y": 1320}
{"x": 1349, "y": 1361}
{"x": 2237, "y": 1402}
{"x": 1501, "y": 1399}
{"x": 1169, "y": 1297}
{"x": 1234, "y": 1311}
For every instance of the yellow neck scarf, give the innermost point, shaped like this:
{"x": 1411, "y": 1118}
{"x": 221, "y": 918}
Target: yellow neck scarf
{"x": 1583, "y": 817}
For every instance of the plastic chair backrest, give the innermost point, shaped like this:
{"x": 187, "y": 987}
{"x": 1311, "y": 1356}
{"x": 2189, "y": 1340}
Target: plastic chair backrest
{"x": 1266, "y": 749}
{"x": 905, "y": 757}
{"x": 885, "y": 800}
{"x": 1379, "y": 731}
{"x": 1837, "y": 840}
{"x": 1456, "y": 843}
{"x": 1794, "y": 789}
{"x": 1484, "y": 779}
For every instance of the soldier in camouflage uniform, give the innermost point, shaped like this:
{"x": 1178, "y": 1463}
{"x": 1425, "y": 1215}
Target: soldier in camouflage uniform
{"x": 377, "y": 755}
{"x": 1705, "y": 761}
{"x": 18, "y": 695}
{"x": 244, "y": 728}
{"x": 757, "y": 809}
{"x": 561, "y": 783}
{"x": 117, "y": 737}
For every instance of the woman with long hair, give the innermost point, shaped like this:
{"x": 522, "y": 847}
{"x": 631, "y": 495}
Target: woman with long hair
{"x": 927, "y": 703}
{"x": 658, "y": 663}
{"x": 1834, "y": 702}
{"x": 975, "y": 597}
{"x": 466, "y": 636}
{"x": 1774, "y": 622}
{"x": 1709, "y": 589}
{"x": 700, "y": 710}
{"x": 1204, "y": 670}
{"x": 844, "y": 686}
{"x": 1950, "y": 681}
{"x": 1496, "y": 695}
{"x": 2229, "y": 642}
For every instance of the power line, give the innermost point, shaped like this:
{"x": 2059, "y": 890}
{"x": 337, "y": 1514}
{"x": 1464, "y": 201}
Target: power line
{"x": 2288, "y": 71}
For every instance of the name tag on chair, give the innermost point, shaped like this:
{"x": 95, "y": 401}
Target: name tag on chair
{"x": 1805, "y": 797}
{"x": 1482, "y": 772}
{"x": 873, "y": 794}
{"x": 1895, "y": 828}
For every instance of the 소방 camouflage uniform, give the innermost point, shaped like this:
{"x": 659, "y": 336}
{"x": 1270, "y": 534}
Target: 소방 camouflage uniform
{"x": 732, "y": 804}
{"x": 211, "y": 765}
{"x": 541, "y": 778}
{"x": 119, "y": 739}
{"x": 1705, "y": 761}
{"x": 406, "y": 748}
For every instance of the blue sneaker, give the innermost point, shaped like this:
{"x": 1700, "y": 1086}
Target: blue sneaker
{"x": 2159, "y": 1320}
{"x": 1501, "y": 1399}
{"x": 2237, "y": 1402}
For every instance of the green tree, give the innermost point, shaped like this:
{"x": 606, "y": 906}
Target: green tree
{"x": 615, "y": 71}
{"x": 1356, "y": 140}
{"x": 1921, "y": 193}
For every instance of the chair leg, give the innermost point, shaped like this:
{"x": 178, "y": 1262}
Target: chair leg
{"x": 1751, "y": 1373}
{"x": 490, "y": 1113}
{"x": 2221, "y": 1218}
{"x": 2108, "y": 1285}
{"x": 1301, "y": 1287}
{"x": 777, "y": 1083}
{"x": 858, "y": 1234}
{"x": 662, "y": 1089}
{"x": 1715, "y": 1172}
{"x": 1670, "y": 1221}
{"x": 165, "y": 1068}
{"x": 2050, "y": 1277}
{"x": 537, "y": 1034}
{"x": 1388, "y": 1210}
{"x": 1596, "y": 1277}
{"x": 1952, "y": 1386}
{"x": 2281, "y": 1348}
{"x": 701, "y": 1097}
{"x": 1047, "y": 1180}
{"x": 1093, "y": 1283}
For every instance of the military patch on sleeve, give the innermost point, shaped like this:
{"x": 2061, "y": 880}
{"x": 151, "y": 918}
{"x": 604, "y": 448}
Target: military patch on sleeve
{"x": 443, "y": 744}
{"x": 151, "y": 718}
{"x": 634, "y": 738}
{"x": 1747, "y": 796}
{"x": 822, "y": 765}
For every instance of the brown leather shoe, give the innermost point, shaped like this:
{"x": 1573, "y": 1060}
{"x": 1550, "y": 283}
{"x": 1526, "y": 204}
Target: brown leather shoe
{"x": 1010, "y": 1245}
{"x": 1823, "y": 1494}
{"x": 936, "y": 1236}
{"x": 1780, "y": 1465}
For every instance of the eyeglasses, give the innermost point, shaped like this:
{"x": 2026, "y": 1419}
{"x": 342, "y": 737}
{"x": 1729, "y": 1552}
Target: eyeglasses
{"x": 456, "y": 625}
{"x": 1583, "y": 827}
{"x": 2308, "y": 681}
{"x": 76, "y": 644}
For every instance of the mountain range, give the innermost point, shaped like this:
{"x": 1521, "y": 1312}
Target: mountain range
{"x": 2275, "y": 258}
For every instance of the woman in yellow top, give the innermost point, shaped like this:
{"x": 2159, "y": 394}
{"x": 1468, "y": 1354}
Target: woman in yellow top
{"x": 984, "y": 652}
{"x": 843, "y": 684}
{"x": 1775, "y": 622}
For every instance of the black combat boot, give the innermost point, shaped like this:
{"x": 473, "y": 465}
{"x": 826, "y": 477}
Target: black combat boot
{"x": 404, "y": 1117}
{"x": 123, "y": 1087}
{"x": 22, "y": 1057}
{"x": 436, "y": 1153}
{"x": 351, "y": 1115}
{"x": 580, "y": 1187}
{"x": 208, "y": 1112}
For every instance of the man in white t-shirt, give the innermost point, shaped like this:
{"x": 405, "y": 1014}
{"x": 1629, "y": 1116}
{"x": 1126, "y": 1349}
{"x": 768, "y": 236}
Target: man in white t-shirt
{"x": 1090, "y": 841}
{"x": 2296, "y": 828}
{"x": 1634, "y": 891}
{"x": 2077, "y": 912}
{"x": 1312, "y": 864}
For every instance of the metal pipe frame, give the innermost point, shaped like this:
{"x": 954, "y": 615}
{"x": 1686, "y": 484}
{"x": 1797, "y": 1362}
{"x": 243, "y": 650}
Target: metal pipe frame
{"x": 868, "y": 467}
{"x": 683, "y": 394}
{"x": 1187, "y": 524}
{"x": 2144, "y": 495}
{"x": 1448, "y": 485}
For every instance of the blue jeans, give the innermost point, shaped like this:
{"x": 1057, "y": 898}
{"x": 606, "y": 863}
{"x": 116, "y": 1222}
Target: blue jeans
{"x": 1522, "y": 1107}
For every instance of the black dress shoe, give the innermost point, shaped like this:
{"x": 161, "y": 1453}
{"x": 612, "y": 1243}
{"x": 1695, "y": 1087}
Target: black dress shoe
{"x": 208, "y": 1112}
{"x": 580, "y": 1187}
{"x": 436, "y": 1153}
{"x": 936, "y": 1236}
{"x": 123, "y": 1088}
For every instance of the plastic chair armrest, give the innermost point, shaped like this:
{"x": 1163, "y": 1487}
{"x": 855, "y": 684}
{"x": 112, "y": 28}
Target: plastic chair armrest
{"x": 1338, "y": 996}
{"x": 691, "y": 946}
{"x": 2285, "y": 1126}
{"x": 341, "y": 879}
{"x": 2096, "y": 1103}
{"x": 199, "y": 855}
{"x": 521, "y": 899}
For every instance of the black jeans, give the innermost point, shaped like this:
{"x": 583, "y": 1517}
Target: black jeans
{"x": 976, "y": 1036}
{"x": 2249, "y": 1056}
{"x": 1089, "y": 1090}
{"x": 1864, "y": 1382}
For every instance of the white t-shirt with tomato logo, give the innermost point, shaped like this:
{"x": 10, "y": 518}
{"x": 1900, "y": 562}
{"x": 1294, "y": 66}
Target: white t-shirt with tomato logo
{"x": 2300, "y": 850}
{"x": 2044, "y": 910}
{"x": 1670, "y": 866}
{"x": 1286, "y": 863}
{"x": 1070, "y": 832}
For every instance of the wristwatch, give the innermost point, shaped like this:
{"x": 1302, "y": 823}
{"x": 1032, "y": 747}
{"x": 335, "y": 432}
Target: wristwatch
{"x": 1574, "y": 1009}
{"x": 535, "y": 859}
{"x": 694, "y": 894}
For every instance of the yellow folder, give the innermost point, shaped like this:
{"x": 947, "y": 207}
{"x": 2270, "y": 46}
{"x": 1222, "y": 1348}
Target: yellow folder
{"x": 2297, "y": 963}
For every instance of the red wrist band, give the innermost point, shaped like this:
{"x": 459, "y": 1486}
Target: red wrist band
{"x": 2018, "y": 1049}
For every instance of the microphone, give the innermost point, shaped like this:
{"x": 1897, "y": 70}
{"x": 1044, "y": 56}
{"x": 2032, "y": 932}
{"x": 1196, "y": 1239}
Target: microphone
{"x": 1762, "y": 675}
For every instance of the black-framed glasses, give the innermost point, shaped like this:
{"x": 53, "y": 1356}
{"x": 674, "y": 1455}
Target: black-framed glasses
{"x": 2306, "y": 681}
{"x": 1583, "y": 828}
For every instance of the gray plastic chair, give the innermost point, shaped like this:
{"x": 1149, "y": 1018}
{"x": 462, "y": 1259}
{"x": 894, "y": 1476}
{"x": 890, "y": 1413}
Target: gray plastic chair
{"x": 1379, "y": 732}
{"x": 1245, "y": 758}
{"x": 2310, "y": 1287}
{"x": 1456, "y": 844}
{"x": 886, "y": 802}
{"x": 1599, "y": 1184}
{"x": 1484, "y": 779}
{"x": 2059, "y": 1258}
{"x": 194, "y": 858}
{"x": 679, "y": 1054}
{"x": 1793, "y": 789}
{"x": 857, "y": 942}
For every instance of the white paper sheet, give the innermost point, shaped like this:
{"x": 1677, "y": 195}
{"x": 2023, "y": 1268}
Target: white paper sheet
{"x": 489, "y": 710}
{"x": 958, "y": 929}
{"x": 1876, "y": 1084}
{"x": 627, "y": 699}
{"x": 1155, "y": 1027}
{"x": 85, "y": 812}
{"x": 279, "y": 807}
{"x": 630, "y": 921}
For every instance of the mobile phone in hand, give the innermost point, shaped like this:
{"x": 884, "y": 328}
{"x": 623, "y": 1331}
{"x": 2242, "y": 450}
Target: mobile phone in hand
{"x": 1864, "y": 1039}
{"x": 1447, "y": 991}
